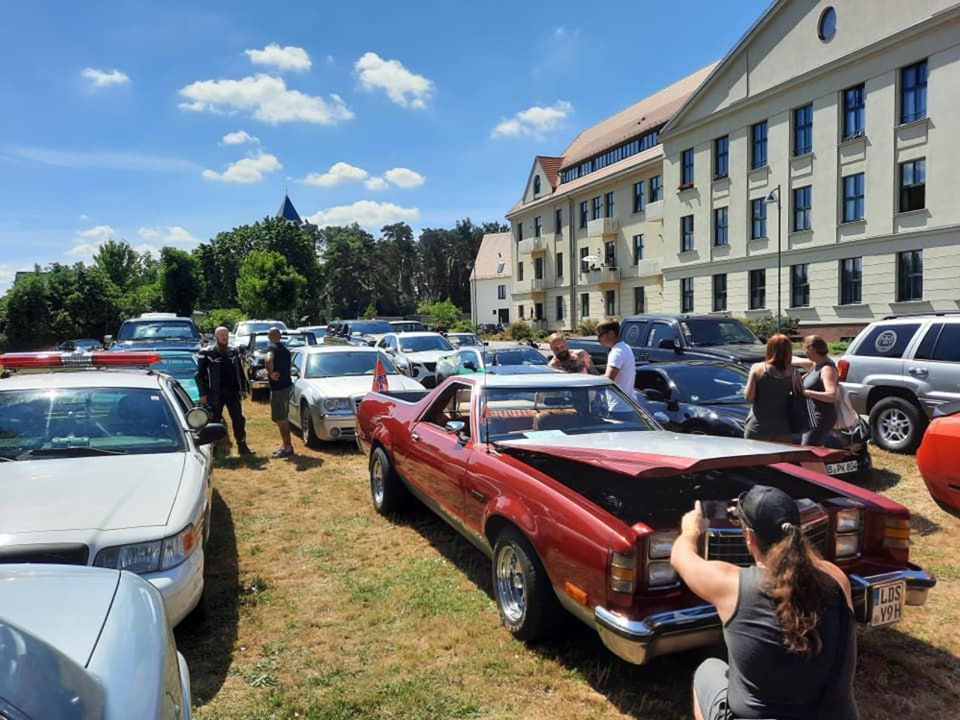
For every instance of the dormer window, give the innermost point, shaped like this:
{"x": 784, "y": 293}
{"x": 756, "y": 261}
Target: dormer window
{"x": 536, "y": 185}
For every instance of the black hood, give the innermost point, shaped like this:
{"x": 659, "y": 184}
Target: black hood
{"x": 738, "y": 411}
{"x": 743, "y": 354}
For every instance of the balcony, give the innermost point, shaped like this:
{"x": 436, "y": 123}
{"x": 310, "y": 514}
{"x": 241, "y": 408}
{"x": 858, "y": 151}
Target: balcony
{"x": 654, "y": 211}
{"x": 644, "y": 268}
{"x": 531, "y": 246}
{"x": 520, "y": 287}
{"x": 602, "y": 227}
{"x": 603, "y": 276}
{"x": 538, "y": 285}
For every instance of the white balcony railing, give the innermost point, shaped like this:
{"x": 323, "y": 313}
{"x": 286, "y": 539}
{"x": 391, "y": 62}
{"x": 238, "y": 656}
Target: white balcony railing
{"x": 603, "y": 276}
{"x": 602, "y": 227}
{"x": 654, "y": 211}
{"x": 531, "y": 245}
{"x": 538, "y": 285}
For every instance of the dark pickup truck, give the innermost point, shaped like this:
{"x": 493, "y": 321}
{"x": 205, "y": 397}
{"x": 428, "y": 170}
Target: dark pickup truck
{"x": 672, "y": 338}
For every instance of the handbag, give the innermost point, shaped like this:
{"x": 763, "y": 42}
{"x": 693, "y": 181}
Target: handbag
{"x": 798, "y": 409}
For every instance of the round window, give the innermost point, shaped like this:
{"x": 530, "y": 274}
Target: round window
{"x": 828, "y": 24}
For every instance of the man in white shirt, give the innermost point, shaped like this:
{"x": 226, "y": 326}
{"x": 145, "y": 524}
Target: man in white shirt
{"x": 621, "y": 366}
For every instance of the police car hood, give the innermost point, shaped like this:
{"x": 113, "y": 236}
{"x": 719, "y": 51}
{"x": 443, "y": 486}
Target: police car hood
{"x": 102, "y": 493}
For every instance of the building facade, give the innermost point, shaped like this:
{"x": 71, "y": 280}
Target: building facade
{"x": 491, "y": 279}
{"x": 825, "y": 143}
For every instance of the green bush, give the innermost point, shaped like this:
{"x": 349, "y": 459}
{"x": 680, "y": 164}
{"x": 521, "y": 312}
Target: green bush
{"x": 587, "y": 327}
{"x": 839, "y": 347}
{"x": 519, "y": 330}
{"x": 766, "y": 326}
{"x": 463, "y": 326}
{"x": 441, "y": 312}
{"x": 227, "y": 317}
{"x": 540, "y": 335}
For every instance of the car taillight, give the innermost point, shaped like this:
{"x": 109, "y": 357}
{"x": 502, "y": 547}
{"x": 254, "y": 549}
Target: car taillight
{"x": 843, "y": 367}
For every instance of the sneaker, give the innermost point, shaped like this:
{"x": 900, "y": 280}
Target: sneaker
{"x": 282, "y": 453}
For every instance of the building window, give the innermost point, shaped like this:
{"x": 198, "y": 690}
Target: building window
{"x": 501, "y": 292}
{"x": 853, "y": 112}
{"x": 802, "y": 199}
{"x": 597, "y": 208}
{"x": 800, "y": 285}
{"x": 721, "y": 157}
{"x": 656, "y": 189}
{"x": 559, "y": 264}
{"x": 538, "y": 311}
{"x": 686, "y": 295}
{"x": 827, "y": 27}
{"x": 519, "y": 231}
{"x": 913, "y": 92}
{"x": 759, "y": 152}
{"x": 559, "y": 307}
{"x": 584, "y": 265}
{"x": 608, "y": 205}
{"x": 913, "y": 185}
{"x": 909, "y": 275}
{"x": 520, "y": 270}
{"x": 851, "y": 279}
{"x": 637, "y": 249}
{"x": 720, "y": 226}
{"x": 758, "y": 289}
{"x": 853, "y": 197}
{"x": 538, "y": 226}
{"x": 584, "y": 305}
{"x": 583, "y": 214}
{"x": 639, "y": 300}
{"x": 538, "y": 268}
{"x": 803, "y": 130}
{"x": 720, "y": 292}
{"x": 520, "y": 311}
{"x": 610, "y": 253}
{"x": 558, "y": 220}
{"x": 536, "y": 185}
{"x": 686, "y": 168}
{"x": 610, "y": 303}
{"x": 758, "y": 226}
{"x": 630, "y": 147}
{"x": 686, "y": 233}
{"x": 638, "y": 196}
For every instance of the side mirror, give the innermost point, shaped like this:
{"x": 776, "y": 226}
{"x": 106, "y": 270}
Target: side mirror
{"x": 653, "y": 395}
{"x": 470, "y": 365}
{"x": 661, "y": 417}
{"x": 294, "y": 372}
{"x": 762, "y": 339}
{"x": 107, "y": 339}
{"x": 214, "y": 432}
{"x": 455, "y": 427}
{"x": 197, "y": 418}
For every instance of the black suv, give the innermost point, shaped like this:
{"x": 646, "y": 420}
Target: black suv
{"x": 669, "y": 338}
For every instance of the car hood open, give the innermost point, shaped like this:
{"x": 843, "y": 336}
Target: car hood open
{"x": 102, "y": 493}
{"x": 662, "y": 454}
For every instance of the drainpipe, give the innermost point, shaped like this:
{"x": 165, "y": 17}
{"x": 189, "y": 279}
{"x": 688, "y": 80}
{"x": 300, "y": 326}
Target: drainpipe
{"x": 574, "y": 266}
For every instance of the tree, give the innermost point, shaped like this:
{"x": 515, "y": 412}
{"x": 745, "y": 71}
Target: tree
{"x": 441, "y": 312}
{"x": 268, "y": 285}
{"x": 350, "y": 267}
{"x": 180, "y": 281}
{"x": 120, "y": 263}
{"x": 27, "y": 319}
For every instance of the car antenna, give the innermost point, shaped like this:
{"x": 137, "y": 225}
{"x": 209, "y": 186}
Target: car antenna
{"x": 483, "y": 395}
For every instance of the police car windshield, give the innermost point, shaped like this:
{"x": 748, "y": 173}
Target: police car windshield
{"x": 422, "y": 343}
{"x": 47, "y": 423}
{"x": 342, "y": 364}
{"x": 179, "y": 366}
{"x": 158, "y": 330}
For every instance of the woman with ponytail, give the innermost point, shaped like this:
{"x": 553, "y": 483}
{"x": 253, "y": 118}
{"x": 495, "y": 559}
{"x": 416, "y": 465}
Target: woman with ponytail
{"x": 787, "y": 621}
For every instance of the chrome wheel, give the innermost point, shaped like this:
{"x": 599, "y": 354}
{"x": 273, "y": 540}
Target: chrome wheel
{"x": 376, "y": 481}
{"x": 894, "y": 426}
{"x": 511, "y": 584}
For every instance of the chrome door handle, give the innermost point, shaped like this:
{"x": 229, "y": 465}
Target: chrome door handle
{"x": 414, "y": 437}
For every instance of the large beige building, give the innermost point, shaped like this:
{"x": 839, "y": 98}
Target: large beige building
{"x": 827, "y": 116}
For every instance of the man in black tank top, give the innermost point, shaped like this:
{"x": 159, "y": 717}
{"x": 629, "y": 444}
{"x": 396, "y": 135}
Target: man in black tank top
{"x": 771, "y": 673}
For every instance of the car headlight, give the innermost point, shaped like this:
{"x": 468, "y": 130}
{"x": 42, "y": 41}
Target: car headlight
{"x": 150, "y": 556}
{"x": 660, "y": 573}
{"x": 847, "y": 545}
{"x": 337, "y": 404}
{"x": 661, "y": 543}
{"x": 848, "y": 520}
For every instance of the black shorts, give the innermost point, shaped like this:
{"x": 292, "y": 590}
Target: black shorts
{"x": 710, "y": 689}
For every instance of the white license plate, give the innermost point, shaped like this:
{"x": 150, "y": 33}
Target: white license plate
{"x": 841, "y": 467}
{"x": 886, "y": 603}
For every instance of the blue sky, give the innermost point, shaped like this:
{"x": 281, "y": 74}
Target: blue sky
{"x": 167, "y": 123}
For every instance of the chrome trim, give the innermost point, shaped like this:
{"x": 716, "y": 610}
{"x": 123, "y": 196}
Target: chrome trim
{"x": 918, "y": 581}
{"x": 637, "y": 641}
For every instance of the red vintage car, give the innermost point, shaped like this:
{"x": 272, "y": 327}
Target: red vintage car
{"x": 937, "y": 457}
{"x": 576, "y": 494}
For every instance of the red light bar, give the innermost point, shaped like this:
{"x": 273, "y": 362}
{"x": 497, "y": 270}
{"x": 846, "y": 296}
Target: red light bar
{"x": 98, "y": 359}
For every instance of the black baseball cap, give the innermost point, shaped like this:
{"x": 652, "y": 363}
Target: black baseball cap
{"x": 767, "y": 511}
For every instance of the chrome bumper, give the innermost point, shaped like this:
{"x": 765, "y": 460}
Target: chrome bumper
{"x": 918, "y": 581}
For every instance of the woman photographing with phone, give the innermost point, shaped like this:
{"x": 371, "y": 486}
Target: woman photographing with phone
{"x": 787, "y": 621}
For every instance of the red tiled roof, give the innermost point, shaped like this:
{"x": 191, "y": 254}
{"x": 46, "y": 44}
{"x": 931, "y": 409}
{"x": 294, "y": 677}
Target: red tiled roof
{"x": 551, "y": 166}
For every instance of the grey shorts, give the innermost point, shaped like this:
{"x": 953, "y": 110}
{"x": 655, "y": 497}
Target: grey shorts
{"x": 710, "y": 689}
{"x": 280, "y": 404}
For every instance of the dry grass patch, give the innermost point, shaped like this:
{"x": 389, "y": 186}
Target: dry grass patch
{"x": 322, "y": 609}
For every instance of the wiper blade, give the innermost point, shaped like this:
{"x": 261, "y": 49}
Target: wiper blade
{"x": 77, "y": 450}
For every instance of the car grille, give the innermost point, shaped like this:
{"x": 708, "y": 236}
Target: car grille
{"x": 728, "y": 545}
{"x": 58, "y": 553}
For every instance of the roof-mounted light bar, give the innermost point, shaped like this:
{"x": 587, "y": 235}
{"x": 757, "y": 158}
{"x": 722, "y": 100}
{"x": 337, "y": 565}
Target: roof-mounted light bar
{"x": 48, "y": 360}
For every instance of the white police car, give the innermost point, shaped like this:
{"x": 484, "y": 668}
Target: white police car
{"x": 107, "y": 465}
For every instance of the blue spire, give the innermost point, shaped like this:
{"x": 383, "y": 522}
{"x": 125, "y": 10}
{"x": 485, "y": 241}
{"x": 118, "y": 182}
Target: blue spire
{"x": 288, "y": 212}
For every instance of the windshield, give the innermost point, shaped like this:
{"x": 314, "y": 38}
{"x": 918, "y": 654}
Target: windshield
{"x": 705, "y": 333}
{"x": 371, "y": 327}
{"x": 69, "y": 422}
{"x": 250, "y": 327}
{"x": 408, "y": 326}
{"x": 464, "y": 340}
{"x": 422, "y": 343}
{"x": 158, "y": 330}
{"x": 709, "y": 384}
{"x": 512, "y": 413}
{"x": 262, "y": 342}
{"x": 514, "y": 356}
{"x": 179, "y": 366}
{"x": 318, "y": 330}
{"x": 341, "y": 364}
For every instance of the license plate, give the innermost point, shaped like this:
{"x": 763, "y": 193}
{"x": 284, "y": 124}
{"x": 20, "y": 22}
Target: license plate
{"x": 841, "y": 468}
{"x": 886, "y": 603}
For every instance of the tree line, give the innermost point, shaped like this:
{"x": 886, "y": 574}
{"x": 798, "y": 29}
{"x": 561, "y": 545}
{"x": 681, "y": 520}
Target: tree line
{"x": 273, "y": 268}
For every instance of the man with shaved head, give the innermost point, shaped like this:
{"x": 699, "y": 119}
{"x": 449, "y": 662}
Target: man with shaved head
{"x": 277, "y": 364}
{"x": 223, "y": 383}
{"x": 572, "y": 361}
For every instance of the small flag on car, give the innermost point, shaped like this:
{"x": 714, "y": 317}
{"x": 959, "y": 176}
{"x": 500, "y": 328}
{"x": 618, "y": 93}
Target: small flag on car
{"x": 380, "y": 376}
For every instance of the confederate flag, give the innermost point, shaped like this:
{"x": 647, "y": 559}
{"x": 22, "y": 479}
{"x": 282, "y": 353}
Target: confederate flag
{"x": 380, "y": 376}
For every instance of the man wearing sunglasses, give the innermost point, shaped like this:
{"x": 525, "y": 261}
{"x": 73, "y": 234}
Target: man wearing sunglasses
{"x": 787, "y": 621}
{"x": 621, "y": 365}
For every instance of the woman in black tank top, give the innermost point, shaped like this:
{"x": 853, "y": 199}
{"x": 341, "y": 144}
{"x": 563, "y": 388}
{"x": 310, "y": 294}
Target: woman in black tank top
{"x": 787, "y": 621}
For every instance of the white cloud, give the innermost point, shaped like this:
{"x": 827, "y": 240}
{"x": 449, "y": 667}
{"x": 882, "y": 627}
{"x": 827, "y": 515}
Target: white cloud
{"x": 367, "y": 213}
{"x": 89, "y": 241}
{"x": 104, "y": 78}
{"x": 7, "y": 273}
{"x": 376, "y": 183}
{"x": 534, "y": 121}
{"x": 404, "y": 177}
{"x": 107, "y": 160}
{"x": 248, "y": 170}
{"x": 239, "y": 138}
{"x": 170, "y": 235}
{"x": 338, "y": 173}
{"x": 84, "y": 216}
{"x": 266, "y": 98}
{"x": 284, "y": 58}
{"x": 402, "y": 86}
